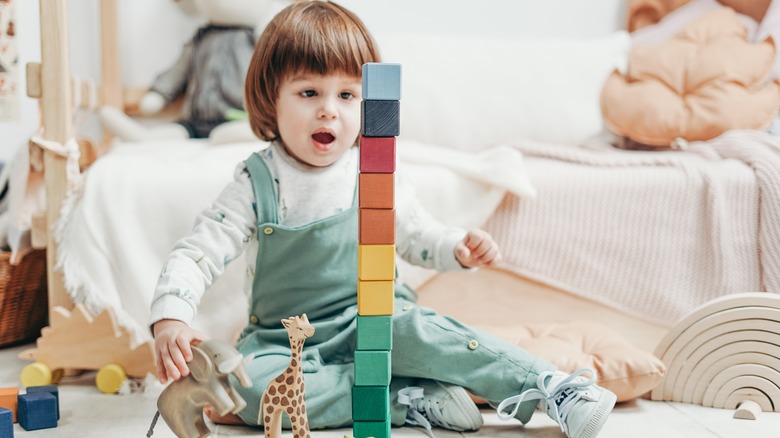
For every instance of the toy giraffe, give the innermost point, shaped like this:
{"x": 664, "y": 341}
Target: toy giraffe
{"x": 285, "y": 393}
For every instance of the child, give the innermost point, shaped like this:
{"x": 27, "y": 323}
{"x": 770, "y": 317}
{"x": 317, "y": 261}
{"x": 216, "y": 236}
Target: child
{"x": 293, "y": 207}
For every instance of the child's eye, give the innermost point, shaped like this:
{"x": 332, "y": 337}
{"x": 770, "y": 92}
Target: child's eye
{"x": 308, "y": 93}
{"x": 346, "y": 95}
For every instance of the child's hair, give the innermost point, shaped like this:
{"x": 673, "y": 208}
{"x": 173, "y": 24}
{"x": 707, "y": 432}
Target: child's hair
{"x": 316, "y": 37}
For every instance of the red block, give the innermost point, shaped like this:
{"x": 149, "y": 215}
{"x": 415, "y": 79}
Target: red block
{"x": 377, "y": 154}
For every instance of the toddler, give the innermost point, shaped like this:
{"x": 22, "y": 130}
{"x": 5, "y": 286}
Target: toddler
{"x": 293, "y": 209}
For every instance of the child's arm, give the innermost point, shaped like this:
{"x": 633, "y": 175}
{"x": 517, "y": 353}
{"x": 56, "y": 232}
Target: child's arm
{"x": 477, "y": 249}
{"x": 172, "y": 347}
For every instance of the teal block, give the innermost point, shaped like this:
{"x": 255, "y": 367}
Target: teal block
{"x": 381, "y": 81}
{"x": 370, "y": 403}
{"x": 376, "y": 429}
{"x": 372, "y": 368}
{"x": 375, "y": 333}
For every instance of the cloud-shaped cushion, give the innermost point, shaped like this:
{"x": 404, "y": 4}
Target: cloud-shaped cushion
{"x": 702, "y": 82}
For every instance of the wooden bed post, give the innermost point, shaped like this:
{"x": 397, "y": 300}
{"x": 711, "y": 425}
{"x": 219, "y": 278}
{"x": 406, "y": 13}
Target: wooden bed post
{"x": 58, "y": 126}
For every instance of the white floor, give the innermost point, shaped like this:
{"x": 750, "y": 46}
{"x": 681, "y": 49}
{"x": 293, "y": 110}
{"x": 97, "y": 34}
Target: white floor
{"x": 85, "y": 412}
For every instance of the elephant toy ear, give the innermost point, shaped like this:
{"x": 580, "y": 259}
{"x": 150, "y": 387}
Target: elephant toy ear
{"x": 200, "y": 365}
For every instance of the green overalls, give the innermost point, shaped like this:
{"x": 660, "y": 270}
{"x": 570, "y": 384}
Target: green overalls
{"x": 312, "y": 269}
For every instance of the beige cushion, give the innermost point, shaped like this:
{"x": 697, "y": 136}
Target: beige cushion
{"x": 704, "y": 81}
{"x": 622, "y": 368}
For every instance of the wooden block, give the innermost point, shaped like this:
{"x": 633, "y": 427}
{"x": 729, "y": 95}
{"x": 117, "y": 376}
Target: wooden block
{"x": 6, "y": 423}
{"x": 380, "y": 118}
{"x": 9, "y": 399}
{"x": 376, "y": 190}
{"x": 747, "y": 410}
{"x": 381, "y": 81}
{"x": 51, "y": 389}
{"x": 370, "y": 403}
{"x": 37, "y": 410}
{"x": 376, "y": 262}
{"x": 372, "y": 368}
{"x": 375, "y": 333}
{"x": 375, "y": 429}
{"x": 376, "y": 297}
{"x": 376, "y": 226}
{"x": 377, "y": 154}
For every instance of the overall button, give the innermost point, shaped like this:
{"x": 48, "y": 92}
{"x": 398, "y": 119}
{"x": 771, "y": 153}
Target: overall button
{"x": 253, "y": 319}
{"x": 268, "y": 230}
{"x": 408, "y": 307}
{"x": 473, "y": 344}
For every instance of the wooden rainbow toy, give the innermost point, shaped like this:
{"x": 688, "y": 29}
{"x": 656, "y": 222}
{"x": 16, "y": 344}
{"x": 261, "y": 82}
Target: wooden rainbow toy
{"x": 725, "y": 354}
{"x": 376, "y": 249}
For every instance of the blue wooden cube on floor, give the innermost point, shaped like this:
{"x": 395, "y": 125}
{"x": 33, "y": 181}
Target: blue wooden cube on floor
{"x": 37, "y": 410}
{"x": 6, "y": 423}
{"x": 51, "y": 389}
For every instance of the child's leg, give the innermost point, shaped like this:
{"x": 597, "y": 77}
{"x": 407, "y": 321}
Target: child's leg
{"x": 432, "y": 346}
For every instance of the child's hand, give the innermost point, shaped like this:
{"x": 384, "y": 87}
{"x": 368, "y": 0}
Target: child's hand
{"x": 477, "y": 249}
{"x": 172, "y": 340}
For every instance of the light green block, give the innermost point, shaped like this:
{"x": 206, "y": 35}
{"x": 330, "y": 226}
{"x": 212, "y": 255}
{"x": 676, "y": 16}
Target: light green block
{"x": 375, "y": 333}
{"x": 372, "y": 368}
{"x": 370, "y": 403}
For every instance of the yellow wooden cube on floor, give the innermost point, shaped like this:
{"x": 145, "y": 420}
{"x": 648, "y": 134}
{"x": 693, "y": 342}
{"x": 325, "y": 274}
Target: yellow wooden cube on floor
{"x": 376, "y": 262}
{"x": 375, "y": 297}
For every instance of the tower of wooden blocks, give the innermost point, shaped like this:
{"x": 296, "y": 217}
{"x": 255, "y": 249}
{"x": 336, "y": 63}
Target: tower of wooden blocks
{"x": 376, "y": 249}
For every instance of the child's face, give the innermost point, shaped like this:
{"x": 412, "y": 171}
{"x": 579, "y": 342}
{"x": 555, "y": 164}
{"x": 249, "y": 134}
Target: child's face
{"x": 318, "y": 116}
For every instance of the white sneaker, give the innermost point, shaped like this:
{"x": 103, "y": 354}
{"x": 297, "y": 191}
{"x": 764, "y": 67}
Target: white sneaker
{"x": 435, "y": 404}
{"x": 576, "y": 403}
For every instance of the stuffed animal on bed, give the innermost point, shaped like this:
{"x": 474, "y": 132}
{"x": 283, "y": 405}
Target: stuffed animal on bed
{"x": 209, "y": 75}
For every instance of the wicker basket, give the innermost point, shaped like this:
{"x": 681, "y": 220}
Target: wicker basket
{"x": 24, "y": 308}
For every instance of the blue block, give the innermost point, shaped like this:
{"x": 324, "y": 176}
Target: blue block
{"x": 380, "y": 118}
{"x": 6, "y": 423}
{"x": 37, "y": 410}
{"x": 381, "y": 81}
{"x": 51, "y": 389}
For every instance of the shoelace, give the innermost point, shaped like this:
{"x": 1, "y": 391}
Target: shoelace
{"x": 421, "y": 412}
{"x": 557, "y": 397}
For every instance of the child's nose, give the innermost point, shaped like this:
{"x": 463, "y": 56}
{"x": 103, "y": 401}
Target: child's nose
{"x": 327, "y": 110}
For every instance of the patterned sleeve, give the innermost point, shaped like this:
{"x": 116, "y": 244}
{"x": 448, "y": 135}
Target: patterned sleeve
{"x": 219, "y": 236}
{"x": 420, "y": 239}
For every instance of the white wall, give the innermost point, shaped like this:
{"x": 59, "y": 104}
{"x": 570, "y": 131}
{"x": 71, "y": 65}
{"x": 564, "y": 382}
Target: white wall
{"x": 152, "y": 33}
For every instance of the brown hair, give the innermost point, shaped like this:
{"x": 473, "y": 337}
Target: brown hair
{"x": 316, "y": 37}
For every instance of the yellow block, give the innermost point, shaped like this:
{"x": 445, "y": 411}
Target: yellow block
{"x": 375, "y": 297}
{"x": 376, "y": 262}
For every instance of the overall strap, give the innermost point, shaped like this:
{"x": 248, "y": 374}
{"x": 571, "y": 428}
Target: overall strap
{"x": 264, "y": 187}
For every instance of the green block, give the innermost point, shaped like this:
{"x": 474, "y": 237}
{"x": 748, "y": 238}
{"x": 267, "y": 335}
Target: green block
{"x": 372, "y": 368}
{"x": 376, "y": 429}
{"x": 375, "y": 333}
{"x": 370, "y": 403}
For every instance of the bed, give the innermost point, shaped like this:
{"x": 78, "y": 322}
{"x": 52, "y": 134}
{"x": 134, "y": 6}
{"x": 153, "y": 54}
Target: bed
{"x": 634, "y": 239}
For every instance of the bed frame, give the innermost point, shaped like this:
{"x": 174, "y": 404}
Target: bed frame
{"x": 50, "y": 81}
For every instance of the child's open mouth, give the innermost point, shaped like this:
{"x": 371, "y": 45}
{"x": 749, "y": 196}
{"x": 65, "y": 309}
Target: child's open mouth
{"x": 323, "y": 140}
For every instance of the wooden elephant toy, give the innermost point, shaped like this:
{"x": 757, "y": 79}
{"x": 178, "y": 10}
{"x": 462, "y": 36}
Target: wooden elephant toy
{"x": 181, "y": 403}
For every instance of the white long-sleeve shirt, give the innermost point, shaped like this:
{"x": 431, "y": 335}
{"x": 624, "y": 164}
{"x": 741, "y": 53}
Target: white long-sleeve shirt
{"x": 306, "y": 194}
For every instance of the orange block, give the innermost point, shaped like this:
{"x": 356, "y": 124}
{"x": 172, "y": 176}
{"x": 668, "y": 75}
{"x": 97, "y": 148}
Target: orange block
{"x": 376, "y": 227}
{"x": 9, "y": 399}
{"x": 376, "y": 190}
